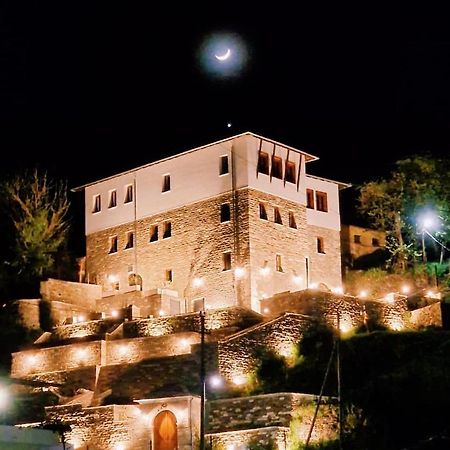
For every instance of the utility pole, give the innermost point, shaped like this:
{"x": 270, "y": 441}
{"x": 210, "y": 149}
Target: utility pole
{"x": 338, "y": 373}
{"x": 202, "y": 379}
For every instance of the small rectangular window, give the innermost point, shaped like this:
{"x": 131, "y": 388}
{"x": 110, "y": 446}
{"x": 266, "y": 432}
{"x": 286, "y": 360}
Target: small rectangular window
{"x": 310, "y": 198}
{"x": 277, "y": 216}
{"x": 96, "y": 203}
{"x": 130, "y": 240}
{"x": 278, "y": 264}
{"x": 277, "y": 167}
{"x": 226, "y": 259}
{"x": 290, "y": 171}
{"x": 130, "y": 268}
{"x": 225, "y": 212}
{"x": 167, "y": 231}
{"x": 321, "y": 201}
{"x": 112, "y": 199}
{"x": 113, "y": 244}
{"x": 375, "y": 242}
{"x": 292, "y": 223}
{"x": 128, "y": 193}
{"x": 262, "y": 211}
{"x": 223, "y": 165}
{"x": 263, "y": 163}
{"x": 357, "y": 239}
{"x": 166, "y": 183}
{"x": 169, "y": 275}
{"x": 320, "y": 245}
{"x": 153, "y": 233}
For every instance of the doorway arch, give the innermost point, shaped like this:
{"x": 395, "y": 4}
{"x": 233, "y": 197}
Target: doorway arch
{"x": 165, "y": 433}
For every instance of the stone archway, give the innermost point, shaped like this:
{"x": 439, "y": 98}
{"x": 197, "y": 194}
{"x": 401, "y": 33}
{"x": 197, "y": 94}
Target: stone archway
{"x": 165, "y": 434}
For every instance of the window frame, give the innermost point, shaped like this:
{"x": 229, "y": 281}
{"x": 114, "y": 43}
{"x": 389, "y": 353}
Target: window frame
{"x": 155, "y": 233}
{"x": 277, "y": 163}
{"x": 130, "y": 240}
{"x": 222, "y": 215}
{"x": 279, "y": 263}
{"x": 324, "y": 198}
{"x": 292, "y": 221}
{"x": 226, "y": 261}
{"x": 129, "y": 194}
{"x": 320, "y": 243}
{"x": 310, "y": 203}
{"x": 277, "y": 218}
{"x": 113, "y": 244}
{"x": 263, "y": 160}
{"x": 293, "y": 166}
{"x": 166, "y": 183}
{"x": 357, "y": 239}
{"x": 169, "y": 276}
{"x": 112, "y": 202}
{"x": 167, "y": 229}
{"x": 222, "y": 165}
{"x": 263, "y": 208}
{"x": 96, "y": 206}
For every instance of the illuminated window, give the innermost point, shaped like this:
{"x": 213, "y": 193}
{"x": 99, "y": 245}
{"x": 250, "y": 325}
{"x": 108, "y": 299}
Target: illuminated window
{"x": 153, "y": 233}
{"x": 112, "y": 199}
{"x": 277, "y": 216}
{"x": 128, "y": 193}
{"x": 277, "y": 167}
{"x": 226, "y": 259}
{"x": 320, "y": 245}
{"x": 292, "y": 223}
{"x": 225, "y": 212}
{"x": 113, "y": 244}
{"x": 375, "y": 242}
{"x": 96, "y": 203}
{"x": 166, "y": 183}
{"x": 130, "y": 240}
{"x": 357, "y": 239}
{"x": 169, "y": 275}
{"x": 290, "y": 172}
{"x": 167, "y": 232}
{"x": 310, "y": 198}
{"x": 223, "y": 165}
{"x": 263, "y": 163}
{"x": 262, "y": 211}
{"x": 278, "y": 264}
{"x": 321, "y": 201}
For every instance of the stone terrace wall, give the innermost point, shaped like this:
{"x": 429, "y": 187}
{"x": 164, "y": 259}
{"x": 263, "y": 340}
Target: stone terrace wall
{"x": 318, "y": 304}
{"x": 428, "y": 316}
{"x": 138, "y": 380}
{"x": 83, "y": 329}
{"x": 215, "y": 319}
{"x": 137, "y": 349}
{"x": 54, "y": 359}
{"x": 353, "y": 312}
{"x": 237, "y": 354}
{"x": 104, "y": 428}
{"x": 258, "y": 415}
{"x": 257, "y": 411}
{"x": 81, "y": 294}
{"x": 258, "y": 436}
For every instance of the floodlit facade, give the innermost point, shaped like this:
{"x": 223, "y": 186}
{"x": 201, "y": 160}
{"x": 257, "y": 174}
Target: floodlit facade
{"x": 226, "y": 224}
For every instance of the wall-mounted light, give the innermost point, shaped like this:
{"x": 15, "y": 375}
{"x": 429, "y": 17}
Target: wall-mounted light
{"x": 185, "y": 344}
{"x": 114, "y": 313}
{"x": 266, "y": 311}
{"x": 363, "y": 294}
{"x": 405, "y": 289}
{"x": 215, "y": 381}
{"x": 161, "y": 313}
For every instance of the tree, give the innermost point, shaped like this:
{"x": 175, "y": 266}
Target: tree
{"x": 395, "y": 204}
{"x": 37, "y": 210}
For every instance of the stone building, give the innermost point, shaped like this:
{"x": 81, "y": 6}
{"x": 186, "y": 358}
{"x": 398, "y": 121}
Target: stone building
{"x": 235, "y": 230}
{"x": 226, "y": 224}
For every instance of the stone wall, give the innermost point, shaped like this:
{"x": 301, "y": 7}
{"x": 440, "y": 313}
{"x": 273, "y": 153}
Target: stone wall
{"x": 324, "y": 267}
{"x": 80, "y": 294}
{"x": 127, "y": 426}
{"x": 83, "y": 329}
{"x": 238, "y": 353}
{"x": 28, "y": 310}
{"x": 263, "y": 413}
{"x": 194, "y": 252}
{"x": 390, "y": 312}
{"x": 428, "y": 316}
{"x": 54, "y": 359}
{"x": 214, "y": 320}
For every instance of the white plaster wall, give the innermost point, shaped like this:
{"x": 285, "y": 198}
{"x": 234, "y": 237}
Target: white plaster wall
{"x": 195, "y": 176}
{"x": 330, "y": 219}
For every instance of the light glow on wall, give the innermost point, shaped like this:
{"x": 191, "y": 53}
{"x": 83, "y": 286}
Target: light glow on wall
{"x": 239, "y": 272}
{"x": 185, "y": 344}
{"x": 113, "y": 278}
{"x": 405, "y": 289}
{"x": 297, "y": 279}
{"x": 161, "y": 313}
{"x": 266, "y": 310}
{"x": 122, "y": 350}
{"x": 264, "y": 271}
{"x": 313, "y": 286}
{"x": 119, "y": 446}
{"x": 337, "y": 290}
{"x": 4, "y": 397}
{"x": 81, "y": 353}
{"x": 363, "y": 293}
{"x": 198, "y": 282}
{"x": 31, "y": 360}
{"x": 239, "y": 380}
{"x": 215, "y": 381}
{"x": 114, "y": 313}
{"x": 396, "y": 324}
{"x": 390, "y": 297}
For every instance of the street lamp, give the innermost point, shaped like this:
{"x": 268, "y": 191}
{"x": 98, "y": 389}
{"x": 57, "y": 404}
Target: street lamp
{"x": 427, "y": 221}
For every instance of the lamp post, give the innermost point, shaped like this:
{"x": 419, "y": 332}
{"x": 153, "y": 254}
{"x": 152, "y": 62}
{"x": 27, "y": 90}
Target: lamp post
{"x": 202, "y": 379}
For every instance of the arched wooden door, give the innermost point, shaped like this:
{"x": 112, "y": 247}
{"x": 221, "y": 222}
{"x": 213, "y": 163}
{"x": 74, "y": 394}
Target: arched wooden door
{"x": 165, "y": 436}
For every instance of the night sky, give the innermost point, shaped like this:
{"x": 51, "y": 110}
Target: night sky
{"x": 88, "y": 89}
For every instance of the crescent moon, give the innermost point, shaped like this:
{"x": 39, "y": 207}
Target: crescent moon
{"x": 225, "y": 56}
